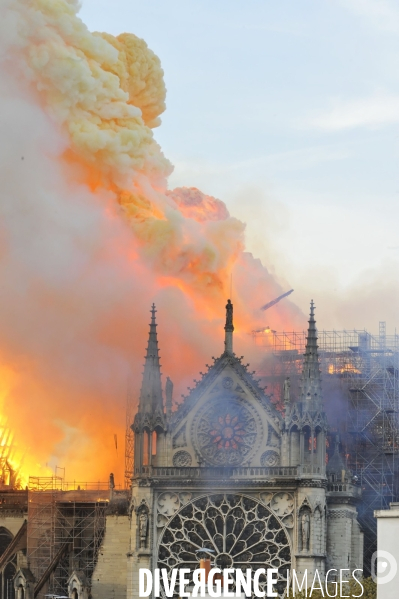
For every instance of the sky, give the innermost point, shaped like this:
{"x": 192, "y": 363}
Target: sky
{"x": 288, "y": 111}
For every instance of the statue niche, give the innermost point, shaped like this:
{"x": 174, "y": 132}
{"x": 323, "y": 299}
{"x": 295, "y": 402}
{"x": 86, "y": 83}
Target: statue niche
{"x": 142, "y": 525}
{"x": 304, "y": 529}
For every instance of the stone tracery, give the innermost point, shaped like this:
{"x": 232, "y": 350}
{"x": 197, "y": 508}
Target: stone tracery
{"x": 242, "y": 531}
{"x": 226, "y": 432}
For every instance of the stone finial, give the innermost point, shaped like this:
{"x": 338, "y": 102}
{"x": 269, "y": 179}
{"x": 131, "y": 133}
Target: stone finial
{"x": 229, "y": 328}
{"x": 287, "y": 390}
{"x": 311, "y": 392}
{"x": 151, "y": 390}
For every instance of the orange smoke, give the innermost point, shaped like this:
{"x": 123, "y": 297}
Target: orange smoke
{"x": 90, "y": 236}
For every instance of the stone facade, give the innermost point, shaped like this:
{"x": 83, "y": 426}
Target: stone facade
{"x": 13, "y": 514}
{"x": 229, "y": 472}
{"x": 343, "y": 530}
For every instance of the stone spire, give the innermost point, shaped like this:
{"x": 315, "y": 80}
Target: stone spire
{"x": 151, "y": 389}
{"x": 229, "y": 328}
{"x": 336, "y": 463}
{"x": 311, "y": 394}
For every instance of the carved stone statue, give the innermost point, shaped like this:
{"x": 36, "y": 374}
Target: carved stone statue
{"x": 143, "y": 528}
{"x": 111, "y": 481}
{"x": 287, "y": 389}
{"x": 229, "y": 316}
{"x": 305, "y": 525}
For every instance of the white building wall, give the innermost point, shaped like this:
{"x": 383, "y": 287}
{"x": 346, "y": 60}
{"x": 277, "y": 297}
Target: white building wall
{"x": 388, "y": 551}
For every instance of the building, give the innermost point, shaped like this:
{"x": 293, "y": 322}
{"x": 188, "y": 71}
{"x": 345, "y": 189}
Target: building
{"x": 226, "y": 471}
{"x": 385, "y": 560}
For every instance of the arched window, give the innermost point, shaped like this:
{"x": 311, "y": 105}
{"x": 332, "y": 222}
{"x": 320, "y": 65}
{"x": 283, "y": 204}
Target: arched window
{"x": 8, "y": 581}
{"x": 146, "y": 448}
{"x": 75, "y": 594}
{"x": 154, "y": 442}
{"x": 5, "y": 539}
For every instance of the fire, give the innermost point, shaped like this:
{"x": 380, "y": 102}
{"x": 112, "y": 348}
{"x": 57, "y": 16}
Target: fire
{"x": 90, "y": 235}
{"x": 346, "y": 368}
{"x": 15, "y": 462}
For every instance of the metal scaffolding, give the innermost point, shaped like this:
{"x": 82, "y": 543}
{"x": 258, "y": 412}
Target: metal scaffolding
{"x": 66, "y": 524}
{"x": 129, "y": 437}
{"x": 361, "y": 389}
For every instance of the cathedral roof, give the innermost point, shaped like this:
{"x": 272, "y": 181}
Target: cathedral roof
{"x": 228, "y": 360}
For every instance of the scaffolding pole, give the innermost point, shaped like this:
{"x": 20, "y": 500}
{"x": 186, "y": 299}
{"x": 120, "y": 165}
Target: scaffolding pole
{"x": 129, "y": 437}
{"x": 66, "y": 524}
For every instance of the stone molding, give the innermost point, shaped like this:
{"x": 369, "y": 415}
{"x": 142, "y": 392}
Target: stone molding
{"x": 335, "y": 514}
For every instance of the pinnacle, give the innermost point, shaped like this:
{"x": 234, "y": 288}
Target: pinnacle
{"x": 311, "y": 381}
{"x": 151, "y": 389}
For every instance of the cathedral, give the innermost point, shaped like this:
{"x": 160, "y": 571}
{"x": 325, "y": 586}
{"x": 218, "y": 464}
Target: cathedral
{"x": 225, "y": 471}
{"x": 228, "y": 472}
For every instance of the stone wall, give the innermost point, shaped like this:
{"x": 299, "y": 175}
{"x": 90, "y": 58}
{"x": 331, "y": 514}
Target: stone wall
{"x": 13, "y": 509}
{"x": 357, "y": 546}
{"x": 343, "y": 536}
{"x": 11, "y": 522}
{"x": 110, "y": 575}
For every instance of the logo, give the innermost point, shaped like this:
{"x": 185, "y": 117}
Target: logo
{"x": 383, "y": 567}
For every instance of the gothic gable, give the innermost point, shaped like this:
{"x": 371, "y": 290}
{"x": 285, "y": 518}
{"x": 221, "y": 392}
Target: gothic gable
{"x": 226, "y": 420}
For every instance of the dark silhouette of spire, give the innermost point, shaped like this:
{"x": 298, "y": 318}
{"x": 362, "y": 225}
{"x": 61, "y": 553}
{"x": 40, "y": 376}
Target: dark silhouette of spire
{"x": 229, "y": 328}
{"x": 151, "y": 388}
{"x": 311, "y": 380}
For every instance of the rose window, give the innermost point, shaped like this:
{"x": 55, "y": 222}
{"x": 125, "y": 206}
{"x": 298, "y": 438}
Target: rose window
{"x": 228, "y": 432}
{"x": 225, "y": 432}
{"x": 241, "y": 531}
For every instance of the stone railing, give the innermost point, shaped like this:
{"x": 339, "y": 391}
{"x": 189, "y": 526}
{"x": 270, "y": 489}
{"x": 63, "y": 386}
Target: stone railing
{"x": 217, "y": 473}
{"x": 344, "y": 489}
{"x": 309, "y": 469}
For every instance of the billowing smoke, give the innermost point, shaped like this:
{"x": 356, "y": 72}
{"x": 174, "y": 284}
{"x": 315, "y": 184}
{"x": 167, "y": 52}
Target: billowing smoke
{"x": 90, "y": 236}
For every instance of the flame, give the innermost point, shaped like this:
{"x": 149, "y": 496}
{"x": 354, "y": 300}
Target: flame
{"x": 343, "y": 369}
{"x": 15, "y": 463}
{"x": 90, "y": 235}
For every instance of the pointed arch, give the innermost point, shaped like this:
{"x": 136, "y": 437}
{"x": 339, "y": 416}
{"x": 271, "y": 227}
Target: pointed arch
{"x": 5, "y": 539}
{"x": 8, "y": 580}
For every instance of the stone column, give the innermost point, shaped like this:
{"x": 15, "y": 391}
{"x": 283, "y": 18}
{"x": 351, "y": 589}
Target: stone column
{"x": 295, "y": 448}
{"x": 140, "y": 555}
{"x": 285, "y": 449}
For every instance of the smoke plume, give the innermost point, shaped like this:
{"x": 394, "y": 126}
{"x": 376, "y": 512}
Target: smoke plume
{"x": 90, "y": 236}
